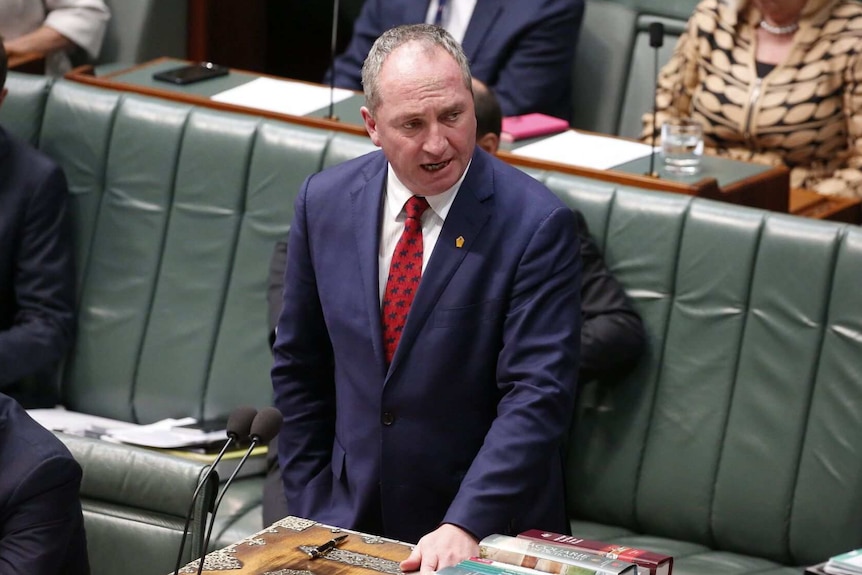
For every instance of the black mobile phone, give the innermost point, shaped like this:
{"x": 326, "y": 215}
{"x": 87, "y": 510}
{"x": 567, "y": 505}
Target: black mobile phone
{"x": 191, "y": 73}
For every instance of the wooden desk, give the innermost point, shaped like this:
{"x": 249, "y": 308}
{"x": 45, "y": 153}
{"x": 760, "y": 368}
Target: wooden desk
{"x": 721, "y": 179}
{"x": 810, "y": 204}
{"x": 281, "y": 546}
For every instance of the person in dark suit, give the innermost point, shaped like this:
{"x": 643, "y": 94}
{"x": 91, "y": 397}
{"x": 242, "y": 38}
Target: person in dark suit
{"x": 41, "y": 524}
{"x": 438, "y": 419}
{"x": 612, "y": 333}
{"x": 37, "y": 278}
{"x": 523, "y": 50}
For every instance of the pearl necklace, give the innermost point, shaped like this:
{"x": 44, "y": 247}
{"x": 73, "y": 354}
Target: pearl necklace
{"x": 779, "y": 30}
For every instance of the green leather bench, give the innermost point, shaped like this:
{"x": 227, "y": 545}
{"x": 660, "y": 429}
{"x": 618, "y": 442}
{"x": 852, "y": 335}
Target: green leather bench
{"x": 135, "y": 503}
{"x": 614, "y": 59}
{"x": 733, "y": 446}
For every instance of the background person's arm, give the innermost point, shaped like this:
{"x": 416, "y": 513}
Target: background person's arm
{"x": 44, "y": 281}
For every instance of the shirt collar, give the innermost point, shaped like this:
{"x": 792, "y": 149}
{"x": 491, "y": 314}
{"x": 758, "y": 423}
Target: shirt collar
{"x": 397, "y": 195}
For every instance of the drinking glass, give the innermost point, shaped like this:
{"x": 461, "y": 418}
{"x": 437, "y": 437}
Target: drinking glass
{"x": 682, "y": 145}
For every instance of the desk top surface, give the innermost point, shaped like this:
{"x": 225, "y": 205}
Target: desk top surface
{"x": 281, "y": 548}
{"x": 725, "y": 173}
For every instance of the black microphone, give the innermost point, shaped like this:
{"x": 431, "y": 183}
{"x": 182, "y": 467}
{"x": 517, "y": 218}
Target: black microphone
{"x": 238, "y": 425}
{"x": 656, "y": 39}
{"x": 332, "y": 49}
{"x": 264, "y": 427}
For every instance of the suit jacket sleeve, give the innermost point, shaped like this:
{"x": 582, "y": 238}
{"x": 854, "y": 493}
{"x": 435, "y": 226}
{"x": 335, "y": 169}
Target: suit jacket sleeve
{"x": 540, "y": 61}
{"x": 347, "y": 68}
{"x": 44, "y": 284}
{"x": 612, "y": 333}
{"x": 41, "y": 518}
{"x": 537, "y": 373}
{"x": 303, "y": 375}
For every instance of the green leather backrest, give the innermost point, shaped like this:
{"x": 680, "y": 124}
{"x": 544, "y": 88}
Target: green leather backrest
{"x": 140, "y": 30}
{"x": 135, "y": 503}
{"x": 176, "y": 212}
{"x": 740, "y": 428}
{"x": 22, "y": 110}
{"x": 613, "y": 77}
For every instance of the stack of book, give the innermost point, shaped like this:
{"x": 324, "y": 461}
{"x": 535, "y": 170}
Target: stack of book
{"x": 849, "y": 563}
{"x": 537, "y": 552}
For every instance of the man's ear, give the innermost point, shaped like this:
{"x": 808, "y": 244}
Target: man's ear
{"x": 370, "y": 125}
{"x": 489, "y": 142}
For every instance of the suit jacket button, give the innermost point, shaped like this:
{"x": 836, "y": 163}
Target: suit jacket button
{"x": 388, "y": 418}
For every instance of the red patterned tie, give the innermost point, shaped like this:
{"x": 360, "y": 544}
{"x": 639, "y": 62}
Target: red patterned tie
{"x": 405, "y": 271}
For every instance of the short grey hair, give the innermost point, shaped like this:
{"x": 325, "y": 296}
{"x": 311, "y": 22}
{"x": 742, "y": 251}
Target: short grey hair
{"x": 429, "y": 35}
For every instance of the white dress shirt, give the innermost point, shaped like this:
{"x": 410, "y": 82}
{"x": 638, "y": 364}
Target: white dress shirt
{"x": 456, "y": 16}
{"x": 393, "y": 217}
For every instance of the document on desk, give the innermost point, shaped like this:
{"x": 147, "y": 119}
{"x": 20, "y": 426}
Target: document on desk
{"x": 282, "y": 96}
{"x": 585, "y": 150}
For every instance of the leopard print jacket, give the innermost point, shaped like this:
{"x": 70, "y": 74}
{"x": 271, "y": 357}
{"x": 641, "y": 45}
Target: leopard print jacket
{"x": 806, "y": 113}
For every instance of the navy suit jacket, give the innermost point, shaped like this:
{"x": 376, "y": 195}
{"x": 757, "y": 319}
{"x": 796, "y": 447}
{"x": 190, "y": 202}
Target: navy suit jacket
{"x": 523, "y": 49}
{"x": 41, "y": 525}
{"x": 37, "y": 278}
{"x": 465, "y": 426}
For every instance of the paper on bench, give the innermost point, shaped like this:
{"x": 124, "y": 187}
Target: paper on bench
{"x": 282, "y": 96}
{"x": 585, "y": 150}
{"x": 162, "y": 434}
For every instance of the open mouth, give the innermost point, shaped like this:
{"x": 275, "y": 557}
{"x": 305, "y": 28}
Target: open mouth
{"x": 435, "y": 167}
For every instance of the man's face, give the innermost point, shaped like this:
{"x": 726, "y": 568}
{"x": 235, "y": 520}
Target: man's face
{"x": 425, "y": 122}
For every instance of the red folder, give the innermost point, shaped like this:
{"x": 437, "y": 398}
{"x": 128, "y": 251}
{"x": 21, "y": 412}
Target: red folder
{"x": 532, "y": 125}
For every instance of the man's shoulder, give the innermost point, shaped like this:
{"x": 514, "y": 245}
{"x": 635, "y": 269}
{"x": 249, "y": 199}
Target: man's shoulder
{"x": 347, "y": 174}
{"x": 21, "y": 162}
{"x": 30, "y": 444}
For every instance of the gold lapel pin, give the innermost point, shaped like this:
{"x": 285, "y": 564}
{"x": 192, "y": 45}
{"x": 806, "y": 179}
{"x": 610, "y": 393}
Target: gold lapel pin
{"x": 459, "y": 242}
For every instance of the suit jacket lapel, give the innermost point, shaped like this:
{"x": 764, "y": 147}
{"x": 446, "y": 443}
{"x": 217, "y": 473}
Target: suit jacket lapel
{"x": 365, "y": 213}
{"x": 484, "y": 15}
{"x": 468, "y": 215}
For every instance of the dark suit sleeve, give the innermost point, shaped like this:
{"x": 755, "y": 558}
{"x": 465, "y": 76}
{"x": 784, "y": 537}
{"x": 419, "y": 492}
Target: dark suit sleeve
{"x": 303, "y": 373}
{"x": 538, "y": 69}
{"x": 537, "y": 372}
{"x": 42, "y": 519}
{"x": 612, "y": 333}
{"x": 348, "y": 65}
{"x": 44, "y": 281}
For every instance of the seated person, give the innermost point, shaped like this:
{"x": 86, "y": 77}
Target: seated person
{"x": 56, "y": 28}
{"x": 773, "y": 82}
{"x": 37, "y": 278}
{"x": 612, "y": 334}
{"x": 523, "y": 50}
{"x": 41, "y": 524}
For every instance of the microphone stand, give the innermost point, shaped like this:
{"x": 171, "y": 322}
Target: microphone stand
{"x": 656, "y": 39}
{"x": 332, "y": 49}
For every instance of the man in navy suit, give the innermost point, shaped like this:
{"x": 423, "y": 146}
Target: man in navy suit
{"x": 523, "y": 50}
{"x": 41, "y": 525}
{"x": 452, "y": 429}
{"x": 37, "y": 279}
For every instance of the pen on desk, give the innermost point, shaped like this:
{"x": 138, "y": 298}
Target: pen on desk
{"x": 321, "y": 550}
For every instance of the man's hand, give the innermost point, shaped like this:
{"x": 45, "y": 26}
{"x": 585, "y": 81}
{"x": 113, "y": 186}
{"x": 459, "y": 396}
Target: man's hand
{"x": 446, "y": 545}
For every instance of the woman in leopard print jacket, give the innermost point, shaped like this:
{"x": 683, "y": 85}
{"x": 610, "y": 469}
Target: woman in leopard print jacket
{"x": 775, "y": 82}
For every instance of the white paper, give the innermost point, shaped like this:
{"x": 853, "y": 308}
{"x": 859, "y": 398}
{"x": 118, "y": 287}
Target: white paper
{"x": 164, "y": 433}
{"x": 282, "y": 96}
{"x": 63, "y": 420}
{"x": 585, "y": 150}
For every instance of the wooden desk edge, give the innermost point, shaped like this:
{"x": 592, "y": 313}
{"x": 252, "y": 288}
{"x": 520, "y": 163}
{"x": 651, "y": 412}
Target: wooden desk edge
{"x": 109, "y": 82}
